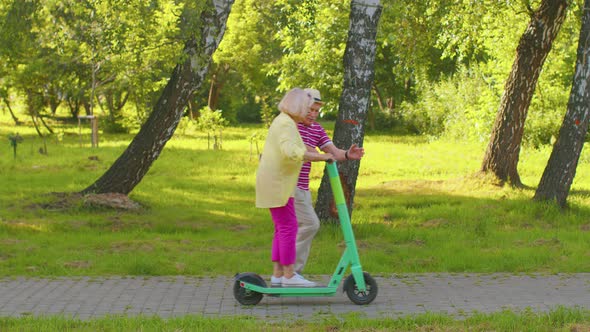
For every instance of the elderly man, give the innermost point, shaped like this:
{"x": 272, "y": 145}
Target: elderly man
{"x": 314, "y": 136}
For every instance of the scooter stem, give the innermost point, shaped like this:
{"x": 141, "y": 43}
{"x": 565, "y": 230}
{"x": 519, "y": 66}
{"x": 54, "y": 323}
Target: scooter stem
{"x": 351, "y": 251}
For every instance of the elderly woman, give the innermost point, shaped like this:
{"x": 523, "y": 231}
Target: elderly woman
{"x": 276, "y": 179}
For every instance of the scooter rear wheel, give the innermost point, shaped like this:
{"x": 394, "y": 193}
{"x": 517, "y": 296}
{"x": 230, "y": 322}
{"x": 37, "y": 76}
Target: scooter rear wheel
{"x": 245, "y": 296}
{"x": 358, "y": 297}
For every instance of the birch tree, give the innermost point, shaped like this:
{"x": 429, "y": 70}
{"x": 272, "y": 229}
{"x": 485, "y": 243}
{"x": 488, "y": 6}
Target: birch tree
{"x": 501, "y": 157}
{"x": 359, "y": 60}
{"x": 561, "y": 167}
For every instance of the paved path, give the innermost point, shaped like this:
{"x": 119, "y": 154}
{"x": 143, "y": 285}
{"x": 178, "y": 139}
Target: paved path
{"x": 399, "y": 295}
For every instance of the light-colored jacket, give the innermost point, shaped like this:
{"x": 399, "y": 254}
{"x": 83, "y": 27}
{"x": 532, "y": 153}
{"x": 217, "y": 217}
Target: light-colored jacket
{"x": 280, "y": 163}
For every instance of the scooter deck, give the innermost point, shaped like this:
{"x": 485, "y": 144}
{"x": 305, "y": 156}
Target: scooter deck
{"x": 292, "y": 291}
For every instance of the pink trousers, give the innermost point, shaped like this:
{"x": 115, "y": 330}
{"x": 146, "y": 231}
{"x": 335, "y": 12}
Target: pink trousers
{"x": 283, "y": 243}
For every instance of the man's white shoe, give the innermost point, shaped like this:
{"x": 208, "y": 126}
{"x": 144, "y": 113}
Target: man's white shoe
{"x": 297, "y": 281}
{"x": 276, "y": 281}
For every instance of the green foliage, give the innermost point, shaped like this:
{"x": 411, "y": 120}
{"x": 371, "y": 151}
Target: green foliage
{"x": 440, "y": 65}
{"x": 76, "y": 54}
{"x": 407, "y": 49}
{"x": 212, "y": 122}
{"x": 256, "y": 140}
{"x": 542, "y": 126}
{"x": 241, "y": 62}
{"x": 268, "y": 112}
{"x": 313, "y": 37}
{"x": 459, "y": 107}
{"x": 209, "y": 121}
{"x": 247, "y": 111}
{"x": 464, "y": 105}
{"x": 186, "y": 126}
{"x": 118, "y": 125}
{"x": 458, "y": 93}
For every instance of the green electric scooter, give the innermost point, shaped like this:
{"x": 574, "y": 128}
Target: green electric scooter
{"x": 360, "y": 287}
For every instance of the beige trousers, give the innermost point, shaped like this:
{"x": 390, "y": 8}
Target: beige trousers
{"x": 308, "y": 225}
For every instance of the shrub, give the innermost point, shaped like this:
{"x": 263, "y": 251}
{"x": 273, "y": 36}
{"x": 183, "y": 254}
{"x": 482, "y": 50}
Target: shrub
{"x": 465, "y": 105}
{"x": 212, "y": 122}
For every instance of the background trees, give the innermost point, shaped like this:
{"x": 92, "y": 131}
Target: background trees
{"x": 88, "y": 53}
{"x": 502, "y": 154}
{"x": 440, "y": 65}
{"x": 242, "y": 63}
{"x": 203, "y": 35}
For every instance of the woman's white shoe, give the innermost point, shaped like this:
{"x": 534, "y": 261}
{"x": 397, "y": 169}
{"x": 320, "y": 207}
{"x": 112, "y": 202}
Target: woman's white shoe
{"x": 297, "y": 281}
{"x": 276, "y": 281}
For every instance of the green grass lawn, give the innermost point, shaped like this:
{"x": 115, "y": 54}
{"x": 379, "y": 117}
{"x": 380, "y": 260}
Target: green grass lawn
{"x": 418, "y": 208}
{"x": 560, "y": 319}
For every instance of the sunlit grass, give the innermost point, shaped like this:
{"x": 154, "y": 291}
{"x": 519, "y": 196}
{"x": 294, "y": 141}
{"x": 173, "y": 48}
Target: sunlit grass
{"x": 419, "y": 207}
{"x": 560, "y": 319}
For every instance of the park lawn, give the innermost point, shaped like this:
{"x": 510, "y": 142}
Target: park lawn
{"x": 559, "y": 319}
{"x": 418, "y": 208}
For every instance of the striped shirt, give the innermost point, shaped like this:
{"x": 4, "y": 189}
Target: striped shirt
{"x": 314, "y": 136}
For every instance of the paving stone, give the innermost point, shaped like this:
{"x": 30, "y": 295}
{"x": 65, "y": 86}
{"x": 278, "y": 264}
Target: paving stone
{"x": 399, "y": 295}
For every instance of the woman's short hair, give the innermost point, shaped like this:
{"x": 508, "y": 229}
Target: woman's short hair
{"x": 296, "y": 103}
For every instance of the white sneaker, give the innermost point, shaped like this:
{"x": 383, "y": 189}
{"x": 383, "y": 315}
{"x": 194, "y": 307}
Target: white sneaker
{"x": 297, "y": 281}
{"x": 276, "y": 281}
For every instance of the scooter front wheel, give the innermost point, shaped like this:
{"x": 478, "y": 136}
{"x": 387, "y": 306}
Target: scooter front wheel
{"x": 246, "y": 296}
{"x": 361, "y": 297}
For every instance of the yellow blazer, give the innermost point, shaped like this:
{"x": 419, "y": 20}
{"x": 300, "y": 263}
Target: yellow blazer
{"x": 280, "y": 164}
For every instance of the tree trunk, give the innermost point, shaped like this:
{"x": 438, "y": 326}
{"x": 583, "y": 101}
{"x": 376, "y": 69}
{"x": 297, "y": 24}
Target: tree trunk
{"x": 134, "y": 163}
{"x": 501, "y": 157}
{"x": 32, "y": 104}
{"x": 45, "y": 124}
{"x": 53, "y": 98}
{"x": 16, "y": 121}
{"x": 217, "y": 82}
{"x": 115, "y": 101}
{"x": 561, "y": 167}
{"x": 213, "y": 93}
{"x": 379, "y": 98}
{"x": 193, "y": 110}
{"x": 74, "y": 105}
{"x": 87, "y": 106}
{"x": 359, "y": 60}
{"x": 379, "y": 103}
{"x": 36, "y": 126}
